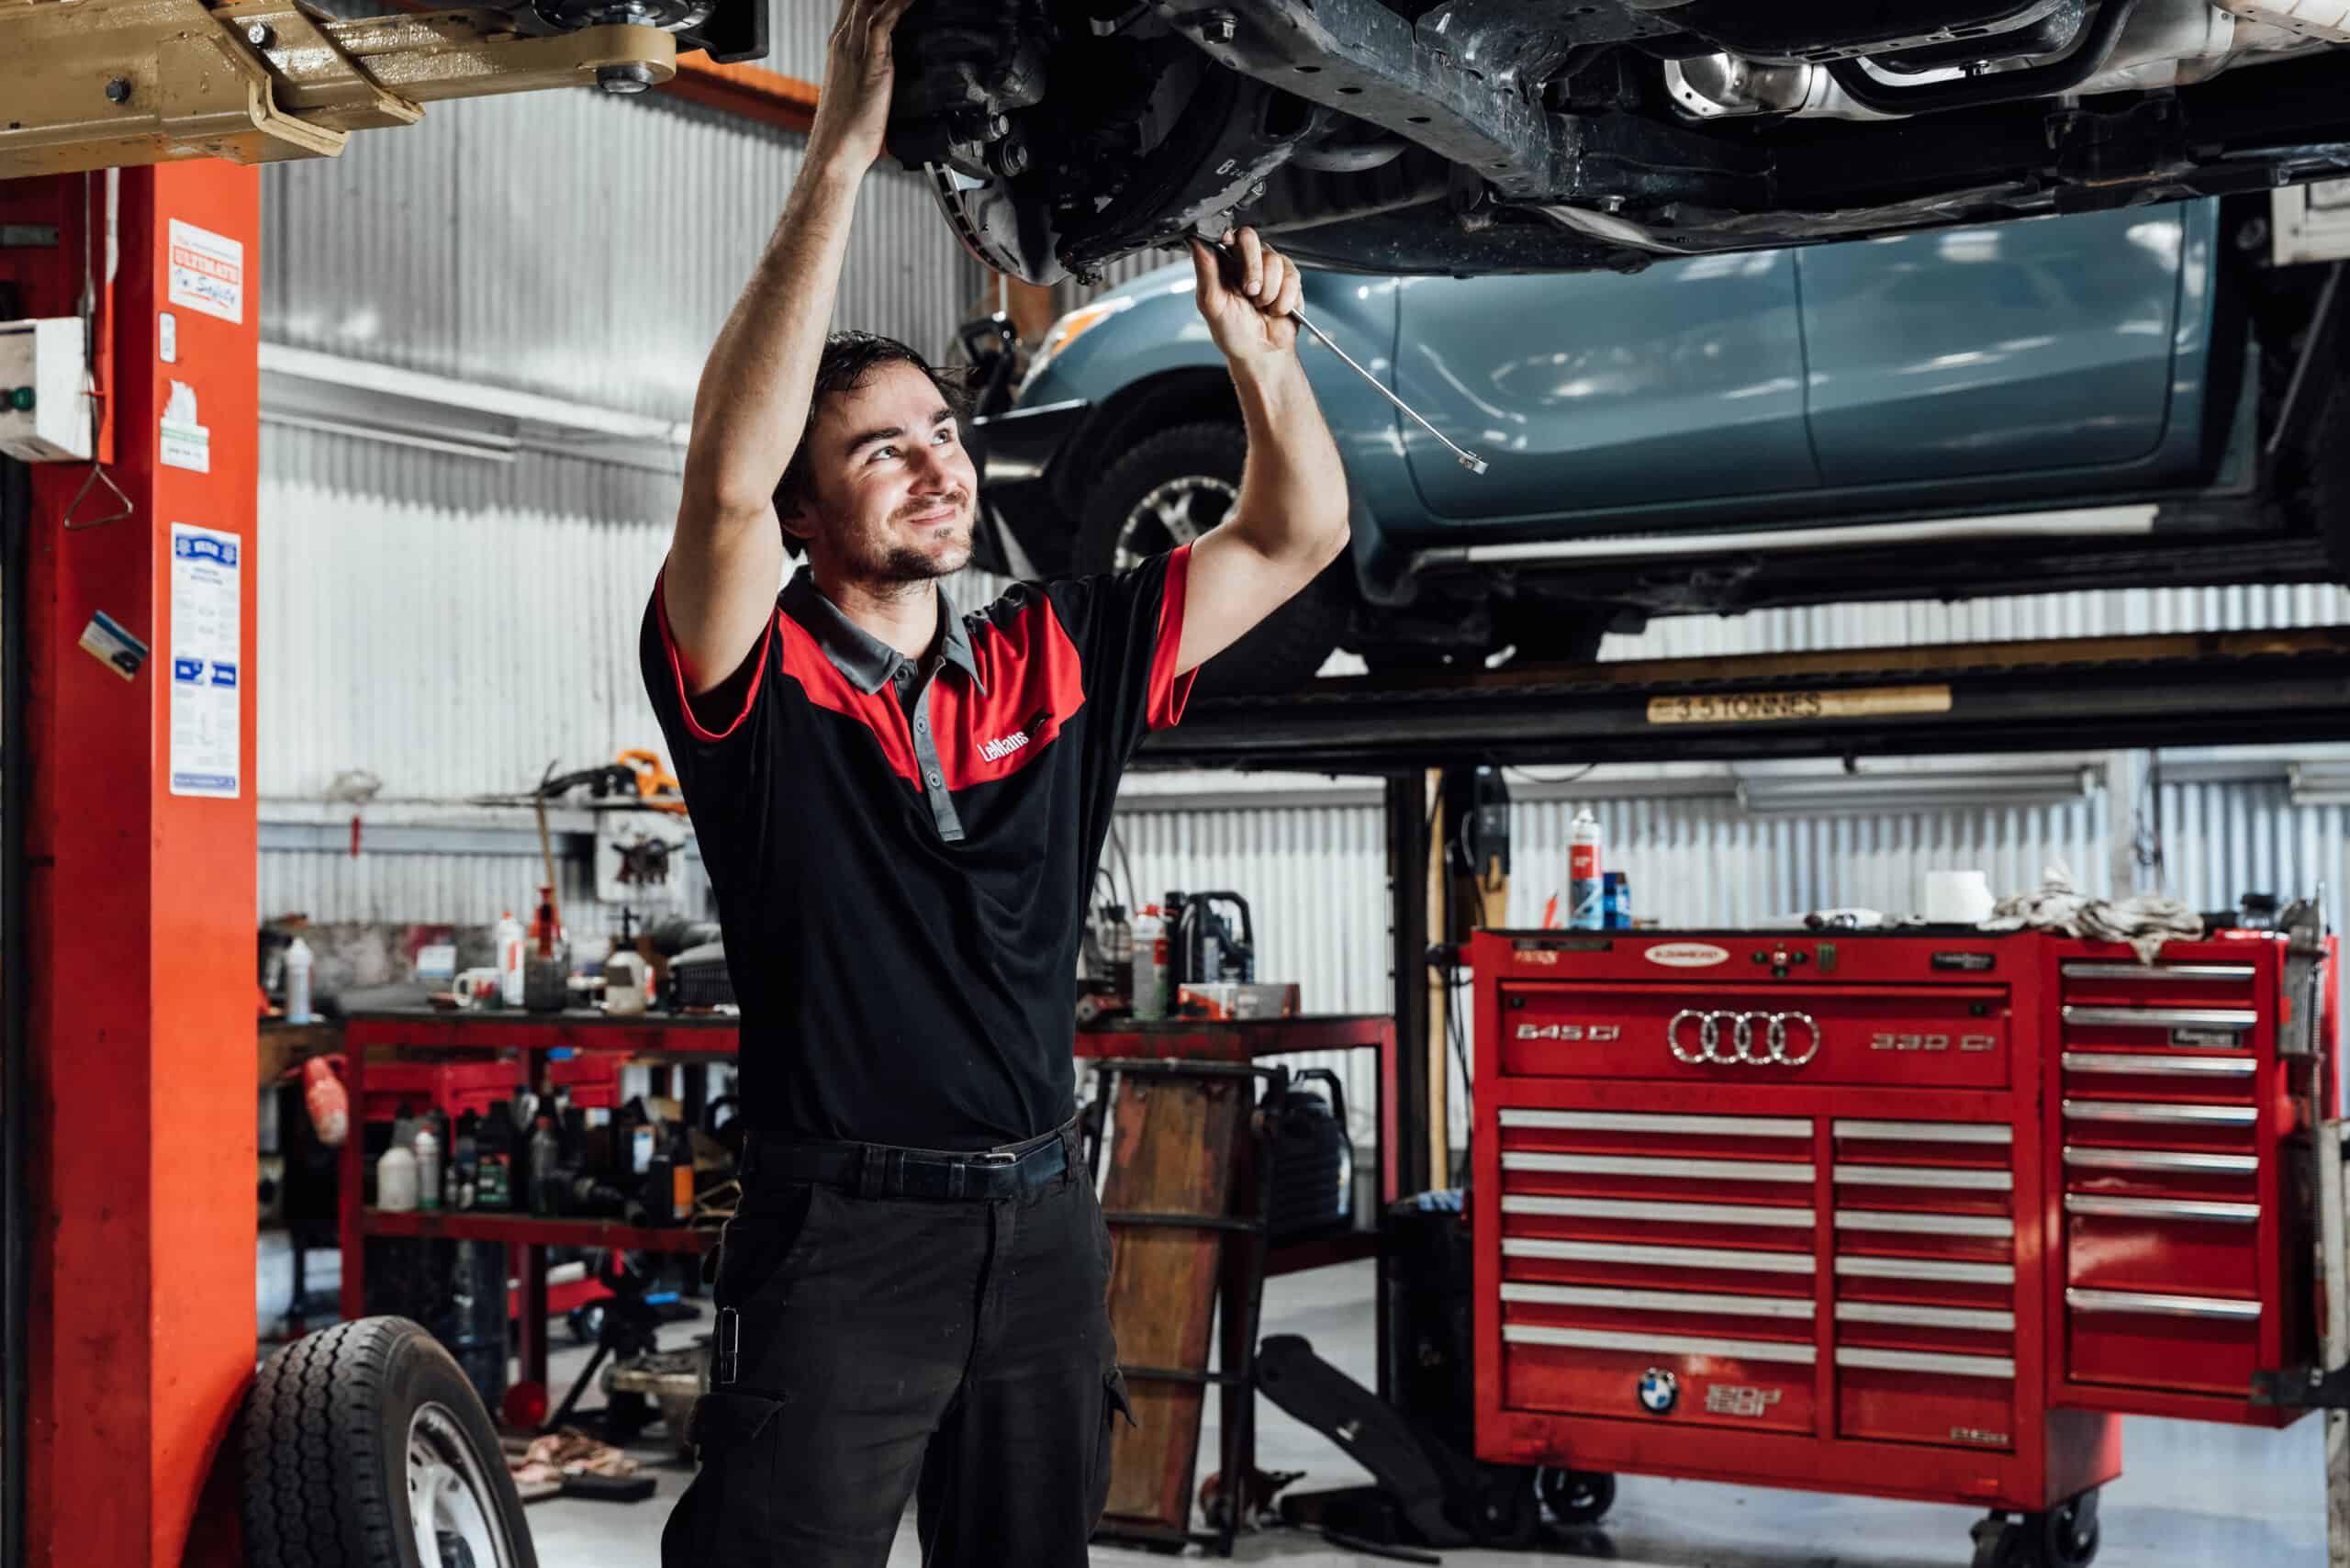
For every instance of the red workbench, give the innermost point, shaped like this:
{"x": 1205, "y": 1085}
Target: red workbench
{"x": 671, "y": 1038}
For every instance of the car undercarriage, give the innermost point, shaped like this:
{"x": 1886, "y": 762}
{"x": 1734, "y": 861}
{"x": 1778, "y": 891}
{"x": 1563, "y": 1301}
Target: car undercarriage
{"x": 1512, "y": 136}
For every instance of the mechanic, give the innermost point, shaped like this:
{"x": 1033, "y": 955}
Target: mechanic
{"x": 900, "y": 808}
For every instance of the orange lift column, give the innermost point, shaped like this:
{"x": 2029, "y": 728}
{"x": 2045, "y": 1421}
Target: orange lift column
{"x": 140, "y": 886}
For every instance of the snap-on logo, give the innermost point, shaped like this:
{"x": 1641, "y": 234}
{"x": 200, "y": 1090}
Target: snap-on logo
{"x": 1003, "y": 747}
{"x": 1688, "y": 955}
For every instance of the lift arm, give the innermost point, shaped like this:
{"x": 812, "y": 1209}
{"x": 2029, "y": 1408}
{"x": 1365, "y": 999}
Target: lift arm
{"x": 102, "y": 83}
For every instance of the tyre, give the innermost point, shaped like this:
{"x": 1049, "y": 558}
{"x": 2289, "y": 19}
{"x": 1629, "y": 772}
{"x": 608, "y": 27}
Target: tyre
{"x": 1168, "y": 490}
{"x": 1577, "y": 1498}
{"x": 365, "y": 1447}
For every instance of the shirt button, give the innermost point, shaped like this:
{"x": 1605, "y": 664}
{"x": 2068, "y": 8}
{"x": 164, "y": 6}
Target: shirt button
{"x": 933, "y": 780}
{"x": 922, "y": 723}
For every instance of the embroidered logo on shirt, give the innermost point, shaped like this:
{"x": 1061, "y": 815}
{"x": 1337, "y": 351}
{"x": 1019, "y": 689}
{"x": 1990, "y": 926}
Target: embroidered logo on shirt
{"x": 1004, "y": 746}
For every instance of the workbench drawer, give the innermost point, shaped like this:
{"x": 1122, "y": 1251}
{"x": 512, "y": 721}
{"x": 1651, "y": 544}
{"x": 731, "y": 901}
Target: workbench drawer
{"x": 2162, "y": 1244}
{"x": 2198, "y": 1343}
{"x": 1717, "y": 1380}
{"x": 2124, "y": 982}
{"x": 1760, "y": 1033}
{"x": 2169, "y": 1026}
{"x": 1906, "y": 1397}
{"x": 2160, "y": 1076}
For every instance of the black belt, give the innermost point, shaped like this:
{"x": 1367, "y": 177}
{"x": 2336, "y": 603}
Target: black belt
{"x": 884, "y": 1170}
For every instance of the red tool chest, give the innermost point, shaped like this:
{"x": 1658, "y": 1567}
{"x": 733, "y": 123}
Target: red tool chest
{"x": 1908, "y": 1214}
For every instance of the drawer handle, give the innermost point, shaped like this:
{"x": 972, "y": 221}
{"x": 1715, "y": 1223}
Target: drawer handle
{"x": 2238, "y": 1018}
{"x": 1658, "y": 1301}
{"x": 1925, "y": 1316}
{"x": 2160, "y": 1160}
{"x": 2108, "y": 1206}
{"x": 1636, "y": 1165}
{"x": 1660, "y": 1344}
{"x": 1656, "y": 1213}
{"x": 1929, "y": 1132}
{"x": 2159, "y": 971}
{"x": 2150, "y": 1304}
{"x": 1925, "y": 1362}
{"x": 1926, "y": 1176}
{"x": 1924, "y": 1224}
{"x": 2160, "y": 1067}
{"x": 1939, "y": 1271}
{"x": 1658, "y": 1256}
{"x": 2186, "y": 1116}
{"x": 1627, "y": 1122}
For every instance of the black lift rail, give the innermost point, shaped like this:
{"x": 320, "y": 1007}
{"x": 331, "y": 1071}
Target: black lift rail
{"x": 2088, "y": 693}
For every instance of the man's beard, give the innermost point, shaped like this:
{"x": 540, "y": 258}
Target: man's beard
{"x": 911, "y": 563}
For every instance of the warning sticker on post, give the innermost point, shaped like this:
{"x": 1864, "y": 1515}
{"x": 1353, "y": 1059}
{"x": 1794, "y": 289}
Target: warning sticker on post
{"x": 1795, "y": 707}
{"x": 208, "y": 272}
{"x": 207, "y": 662}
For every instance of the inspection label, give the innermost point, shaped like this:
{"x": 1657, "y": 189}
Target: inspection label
{"x": 1783, "y": 707}
{"x": 207, "y": 272}
{"x": 208, "y": 661}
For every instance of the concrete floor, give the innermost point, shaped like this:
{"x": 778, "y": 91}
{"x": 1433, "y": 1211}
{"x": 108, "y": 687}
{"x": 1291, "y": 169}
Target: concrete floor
{"x": 2190, "y": 1496}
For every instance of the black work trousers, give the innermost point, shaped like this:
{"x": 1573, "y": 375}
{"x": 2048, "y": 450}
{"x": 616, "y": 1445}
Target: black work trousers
{"x": 955, "y": 1350}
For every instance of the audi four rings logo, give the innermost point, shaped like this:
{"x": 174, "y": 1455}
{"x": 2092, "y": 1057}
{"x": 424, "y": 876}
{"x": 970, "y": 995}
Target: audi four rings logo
{"x": 1751, "y": 1039}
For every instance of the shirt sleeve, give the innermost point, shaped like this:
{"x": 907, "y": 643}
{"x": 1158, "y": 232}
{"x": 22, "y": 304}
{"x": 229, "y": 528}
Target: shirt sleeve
{"x": 1127, "y": 626}
{"x": 724, "y": 769}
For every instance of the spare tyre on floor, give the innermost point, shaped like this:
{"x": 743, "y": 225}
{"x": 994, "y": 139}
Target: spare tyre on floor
{"x": 365, "y": 1447}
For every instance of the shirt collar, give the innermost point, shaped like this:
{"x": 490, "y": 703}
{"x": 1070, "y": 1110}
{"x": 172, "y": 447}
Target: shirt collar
{"x": 864, "y": 659}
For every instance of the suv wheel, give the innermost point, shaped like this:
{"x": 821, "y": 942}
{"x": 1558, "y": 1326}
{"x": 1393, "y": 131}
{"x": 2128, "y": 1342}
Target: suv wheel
{"x": 1168, "y": 490}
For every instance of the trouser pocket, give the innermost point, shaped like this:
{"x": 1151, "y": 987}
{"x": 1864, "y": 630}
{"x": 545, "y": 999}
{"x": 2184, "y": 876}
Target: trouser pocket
{"x": 1115, "y": 1407}
{"x": 726, "y": 1513}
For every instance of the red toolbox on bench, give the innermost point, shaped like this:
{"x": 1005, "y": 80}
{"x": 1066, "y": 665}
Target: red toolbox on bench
{"x": 1909, "y": 1214}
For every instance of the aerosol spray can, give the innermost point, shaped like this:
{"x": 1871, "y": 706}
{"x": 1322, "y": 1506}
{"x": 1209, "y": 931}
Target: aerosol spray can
{"x": 1149, "y": 997}
{"x": 1586, "y": 892}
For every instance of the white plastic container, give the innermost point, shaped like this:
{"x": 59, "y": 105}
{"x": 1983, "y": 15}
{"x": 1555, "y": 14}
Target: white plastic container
{"x": 427, "y": 1169}
{"x": 625, "y": 974}
{"x": 1586, "y": 888}
{"x": 299, "y": 959}
{"x": 508, "y": 941}
{"x": 396, "y": 1180}
{"x": 1150, "y": 965}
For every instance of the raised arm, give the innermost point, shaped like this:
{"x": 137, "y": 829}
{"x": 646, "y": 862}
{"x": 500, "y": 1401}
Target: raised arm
{"x": 726, "y": 554}
{"x": 1291, "y": 519}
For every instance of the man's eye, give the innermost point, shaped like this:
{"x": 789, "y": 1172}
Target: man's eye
{"x": 882, "y": 452}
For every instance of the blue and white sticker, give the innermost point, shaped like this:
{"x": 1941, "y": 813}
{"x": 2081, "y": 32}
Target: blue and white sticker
{"x": 1660, "y": 1391}
{"x": 107, "y": 641}
{"x": 207, "y": 662}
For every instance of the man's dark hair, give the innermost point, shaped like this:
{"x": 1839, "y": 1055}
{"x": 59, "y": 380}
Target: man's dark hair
{"x": 848, "y": 358}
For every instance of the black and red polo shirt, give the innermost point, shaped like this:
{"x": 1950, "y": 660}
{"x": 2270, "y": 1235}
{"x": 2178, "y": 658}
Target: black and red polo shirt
{"x": 903, "y": 850}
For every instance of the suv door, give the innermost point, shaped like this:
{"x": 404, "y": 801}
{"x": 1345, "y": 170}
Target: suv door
{"x": 2034, "y": 344}
{"x": 1597, "y": 391}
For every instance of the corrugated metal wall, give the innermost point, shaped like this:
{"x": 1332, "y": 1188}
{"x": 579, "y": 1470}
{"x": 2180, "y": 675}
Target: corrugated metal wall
{"x": 573, "y": 244}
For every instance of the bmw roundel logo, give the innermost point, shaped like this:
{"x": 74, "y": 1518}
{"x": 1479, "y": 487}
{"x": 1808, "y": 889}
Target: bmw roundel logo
{"x": 1660, "y": 1391}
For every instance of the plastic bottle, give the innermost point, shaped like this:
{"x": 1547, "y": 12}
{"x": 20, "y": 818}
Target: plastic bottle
{"x": 396, "y": 1180}
{"x": 427, "y": 1169}
{"x": 508, "y": 939}
{"x": 1150, "y": 965}
{"x": 299, "y": 959}
{"x": 1586, "y": 892}
{"x": 544, "y": 1151}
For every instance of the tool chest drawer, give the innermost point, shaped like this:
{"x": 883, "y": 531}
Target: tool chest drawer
{"x": 1744, "y": 1030}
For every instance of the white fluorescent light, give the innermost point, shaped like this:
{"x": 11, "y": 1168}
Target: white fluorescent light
{"x": 1848, "y": 794}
